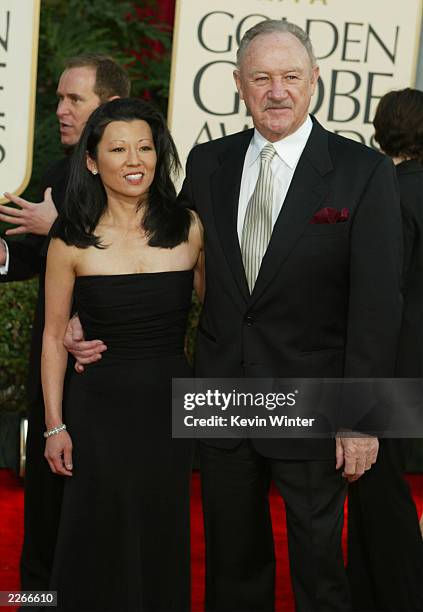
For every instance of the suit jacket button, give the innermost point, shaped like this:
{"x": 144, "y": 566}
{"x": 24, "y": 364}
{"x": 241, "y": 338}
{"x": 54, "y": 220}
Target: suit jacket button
{"x": 249, "y": 320}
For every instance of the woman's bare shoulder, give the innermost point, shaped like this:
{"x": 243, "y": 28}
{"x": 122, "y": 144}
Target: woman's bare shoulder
{"x": 62, "y": 253}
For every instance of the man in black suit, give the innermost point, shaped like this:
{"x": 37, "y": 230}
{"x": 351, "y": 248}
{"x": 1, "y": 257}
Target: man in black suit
{"x": 86, "y": 82}
{"x": 289, "y": 293}
{"x": 325, "y": 303}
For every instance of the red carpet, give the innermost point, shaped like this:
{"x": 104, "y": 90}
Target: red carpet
{"x": 11, "y": 515}
{"x": 11, "y": 530}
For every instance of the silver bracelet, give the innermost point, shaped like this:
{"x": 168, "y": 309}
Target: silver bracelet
{"x": 54, "y": 430}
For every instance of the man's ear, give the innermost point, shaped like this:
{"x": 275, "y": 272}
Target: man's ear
{"x": 91, "y": 165}
{"x": 237, "y": 79}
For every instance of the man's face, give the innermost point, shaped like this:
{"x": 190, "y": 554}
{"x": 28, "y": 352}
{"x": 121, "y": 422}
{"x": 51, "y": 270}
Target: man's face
{"x": 276, "y": 81}
{"x": 76, "y": 102}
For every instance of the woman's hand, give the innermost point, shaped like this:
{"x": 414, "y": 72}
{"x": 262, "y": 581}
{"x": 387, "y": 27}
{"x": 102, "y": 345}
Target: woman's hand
{"x": 58, "y": 453}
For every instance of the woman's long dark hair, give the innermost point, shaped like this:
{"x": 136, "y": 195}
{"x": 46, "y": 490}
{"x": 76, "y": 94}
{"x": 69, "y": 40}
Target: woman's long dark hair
{"x": 165, "y": 223}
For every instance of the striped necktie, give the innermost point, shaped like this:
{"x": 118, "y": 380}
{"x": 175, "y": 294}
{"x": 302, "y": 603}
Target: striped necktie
{"x": 257, "y": 228}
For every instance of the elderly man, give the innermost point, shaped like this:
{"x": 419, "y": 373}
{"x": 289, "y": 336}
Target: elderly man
{"x": 86, "y": 82}
{"x": 289, "y": 294}
{"x": 289, "y": 297}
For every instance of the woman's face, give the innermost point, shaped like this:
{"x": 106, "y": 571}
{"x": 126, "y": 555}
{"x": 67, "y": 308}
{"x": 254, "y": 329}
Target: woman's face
{"x": 126, "y": 159}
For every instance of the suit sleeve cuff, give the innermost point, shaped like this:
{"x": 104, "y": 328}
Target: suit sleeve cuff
{"x": 4, "y": 269}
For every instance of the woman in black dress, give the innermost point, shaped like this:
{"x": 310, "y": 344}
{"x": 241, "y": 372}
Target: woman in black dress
{"x": 128, "y": 256}
{"x": 385, "y": 549}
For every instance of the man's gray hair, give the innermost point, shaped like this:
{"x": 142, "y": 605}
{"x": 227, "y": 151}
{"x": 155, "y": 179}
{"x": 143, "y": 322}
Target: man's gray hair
{"x": 272, "y": 26}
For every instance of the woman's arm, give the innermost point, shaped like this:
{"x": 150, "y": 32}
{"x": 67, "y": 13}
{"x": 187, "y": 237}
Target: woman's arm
{"x": 60, "y": 278}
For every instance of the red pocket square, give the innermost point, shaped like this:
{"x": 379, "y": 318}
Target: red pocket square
{"x": 330, "y": 215}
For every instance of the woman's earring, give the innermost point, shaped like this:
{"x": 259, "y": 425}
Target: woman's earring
{"x": 94, "y": 172}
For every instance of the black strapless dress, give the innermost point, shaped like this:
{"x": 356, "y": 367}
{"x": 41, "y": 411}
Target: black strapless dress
{"x": 123, "y": 541}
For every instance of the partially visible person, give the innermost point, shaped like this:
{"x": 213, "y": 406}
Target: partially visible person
{"x": 87, "y": 81}
{"x": 128, "y": 254}
{"x": 385, "y": 549}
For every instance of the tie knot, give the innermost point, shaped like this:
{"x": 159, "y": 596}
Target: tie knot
{"x": 268, "y": 153}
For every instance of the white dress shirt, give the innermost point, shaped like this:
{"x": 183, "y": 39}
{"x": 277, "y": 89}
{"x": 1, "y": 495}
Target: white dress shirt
{"x": 283, "y": 166}
{"x": 4, "y": 269}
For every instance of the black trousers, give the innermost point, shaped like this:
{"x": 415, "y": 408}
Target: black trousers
{"x": 385, "y": 548}
{"x": 240, "y": 560}
{"x": 43, "y": 499}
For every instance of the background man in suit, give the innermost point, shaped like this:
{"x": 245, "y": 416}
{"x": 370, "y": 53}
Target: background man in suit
{"x": 86, "y": 82}
{"x": 289, "y": 293}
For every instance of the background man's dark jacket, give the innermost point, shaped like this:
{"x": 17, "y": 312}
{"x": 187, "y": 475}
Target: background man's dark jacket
{"x": 27, "y": 258}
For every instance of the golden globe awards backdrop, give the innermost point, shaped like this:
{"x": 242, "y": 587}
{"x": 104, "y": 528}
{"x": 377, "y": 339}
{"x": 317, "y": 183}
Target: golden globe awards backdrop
{"x": 19, "y": 21}
{"x": 364, "y": 49}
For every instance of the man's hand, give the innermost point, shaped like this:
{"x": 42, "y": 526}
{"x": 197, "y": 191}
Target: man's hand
{"x": 84, "y": 351}
{"x": 30, "y": 218}
{"x": 356, "y": 454}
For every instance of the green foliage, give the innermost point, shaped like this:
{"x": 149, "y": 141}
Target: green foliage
{"x": 17, "y": 304}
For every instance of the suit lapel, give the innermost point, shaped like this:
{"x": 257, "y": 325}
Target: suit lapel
{"x": 306, "y": 193}
{"x": 225, "y": 188}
